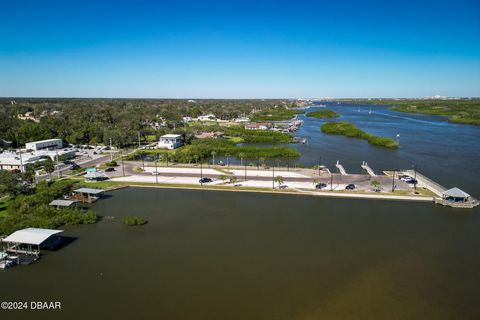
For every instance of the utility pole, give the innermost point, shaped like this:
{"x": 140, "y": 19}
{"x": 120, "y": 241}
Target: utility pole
{"x": 123, "y": 167}
{"x": 111, "y": 150}
{"x": 331, "y": 181}
{"x": 156, "y": 172}
{"x": 58, "y": 165}
{"x": 273, "y": 176}
{"x": 201, "y": 170}
{"x": 393, "y": 181}
{"x": 288, "y": 163}
{"x": 319, "y": 164}
{"x": 245, "y": 171}
{"x": 415, "y": 176}
{"x": 138, "y": 139}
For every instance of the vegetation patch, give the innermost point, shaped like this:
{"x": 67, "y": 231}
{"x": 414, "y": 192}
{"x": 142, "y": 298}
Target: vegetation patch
{"x": 350, "y": 130}
{"x": 133, "y": 221}
{"x": 29, "y": 207}
{"x": 323, "y": 114}
{"x": 202, "y": 149}
{"x": 276, "y": 114}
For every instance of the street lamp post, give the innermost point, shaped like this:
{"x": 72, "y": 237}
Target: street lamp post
{"x": 156, "y": 171}
{"x": 331, "y": 181}
{"x": 245, "y": 170}
{"x": 273, "y": 176}
{"x": 393, "y": 180}
{"x": 123, "y": 167}
{"x": 415, "y": 176}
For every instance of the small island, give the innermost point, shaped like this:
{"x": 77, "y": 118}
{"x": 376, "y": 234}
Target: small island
{"x": 133, "y": 221}
{"x": 323, "y": 114}
{"x": 350, "y": 130}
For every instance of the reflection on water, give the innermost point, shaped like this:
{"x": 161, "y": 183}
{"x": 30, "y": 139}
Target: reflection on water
{"x": 223, "y": 255}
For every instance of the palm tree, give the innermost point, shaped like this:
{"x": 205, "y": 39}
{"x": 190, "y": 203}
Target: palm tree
{"x": 213, "y": 153}
{"x": 376, "y": 185}
{"x": 228, "y": 163}
{"x": 279, "y": 180}
{"x": 262, "y": 161}
{"x": 223, "y": 177}
{"x": 232, "y": 179}
{"x": 241, "y": 155}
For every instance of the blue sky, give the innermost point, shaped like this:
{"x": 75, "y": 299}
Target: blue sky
{"x": 239, "y": 49}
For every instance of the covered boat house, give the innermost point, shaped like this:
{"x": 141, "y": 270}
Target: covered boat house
{"x": 456, "y": 198}
{"x": 88, "y": 195}
{"x": 61, "y": 203}
{"x": 27, "y": 241}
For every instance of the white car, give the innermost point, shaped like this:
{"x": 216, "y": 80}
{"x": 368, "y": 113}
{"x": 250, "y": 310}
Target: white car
{"x": 155, "y": 173}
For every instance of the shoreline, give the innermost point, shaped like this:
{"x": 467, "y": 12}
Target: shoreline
{"x": 304, "y": 193}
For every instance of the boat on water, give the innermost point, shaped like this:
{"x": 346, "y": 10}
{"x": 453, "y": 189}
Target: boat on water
{"x": 370, "y": 112}
{"x": 322, "y": 106}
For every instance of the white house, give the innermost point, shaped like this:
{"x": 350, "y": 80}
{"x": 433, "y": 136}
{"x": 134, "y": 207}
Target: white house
{"x": 44, "y": 144}
{"x": 170, "y": 141}
{"x": 207, "y": 117}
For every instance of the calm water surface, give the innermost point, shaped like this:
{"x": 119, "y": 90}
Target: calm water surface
{"x": 222, "y": 255}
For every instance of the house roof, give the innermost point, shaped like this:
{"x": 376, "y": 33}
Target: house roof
{"x": 62, "y": 203}
{"x": 88, "y": 190}
{"x": 171, "y": 136}
{"x": 33, "y": 236}
{"x": 455, "y": 193}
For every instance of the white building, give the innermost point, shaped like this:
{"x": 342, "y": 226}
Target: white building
{"x": 170, "y": 141}
{"x": 44, "y": 144}
{"x": 12, "y": 160}
{"x": 207, "y": 117}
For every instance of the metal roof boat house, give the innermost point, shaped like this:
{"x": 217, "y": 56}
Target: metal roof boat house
{"x": 61, "y": 203}
{"x": 87, "y": 195}
{"x": 26, "y": 243}
{"x": 456, "y": 198}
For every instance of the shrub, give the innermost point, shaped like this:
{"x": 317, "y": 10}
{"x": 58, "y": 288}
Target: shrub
{"x": 133, "y": 221}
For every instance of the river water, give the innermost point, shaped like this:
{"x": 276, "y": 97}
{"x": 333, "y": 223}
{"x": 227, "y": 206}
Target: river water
{"x": 223, "y": 255}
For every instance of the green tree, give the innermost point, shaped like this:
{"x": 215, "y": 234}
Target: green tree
{"x": 279, "y": 180}
{"x": 49, "y": 166}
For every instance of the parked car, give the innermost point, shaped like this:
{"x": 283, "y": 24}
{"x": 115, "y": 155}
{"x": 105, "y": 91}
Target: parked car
{"x": 411, "y": 181}
{"x": 350, "y": 186}
{"x": 15, "y": 171}
{"x": 205, "y": 180}
{"x": 155, "y": 173}
{"x": 110, "y": 169}
{"x": 75, "y": 166}
{"x": 405, "y": 178}
{"x": 320, "y": 185}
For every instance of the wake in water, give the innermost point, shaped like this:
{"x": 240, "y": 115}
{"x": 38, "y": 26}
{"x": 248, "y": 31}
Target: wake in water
{"x": 435, "y": 123}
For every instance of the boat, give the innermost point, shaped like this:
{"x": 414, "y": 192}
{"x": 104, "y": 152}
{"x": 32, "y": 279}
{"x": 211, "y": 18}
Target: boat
{"x": 370, "y": 112}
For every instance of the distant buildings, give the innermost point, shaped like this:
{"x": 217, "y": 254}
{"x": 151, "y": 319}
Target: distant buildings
{"x": 44, "y": 144}
{"x": 257, "y": 126}
{"x": 28, "y": 116}
{"x": 170, "y": 141}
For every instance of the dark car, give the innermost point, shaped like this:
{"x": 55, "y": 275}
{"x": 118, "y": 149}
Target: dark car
{"x": 109, "y": 169}
{"x": 205, "y": 180}
{"x": 411, "y": 181}
{"x": 15, "y": 171}
{"x": 320, "y": 185}
{"x": 75, "y": 166}
{"x": 350, "y": 186}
